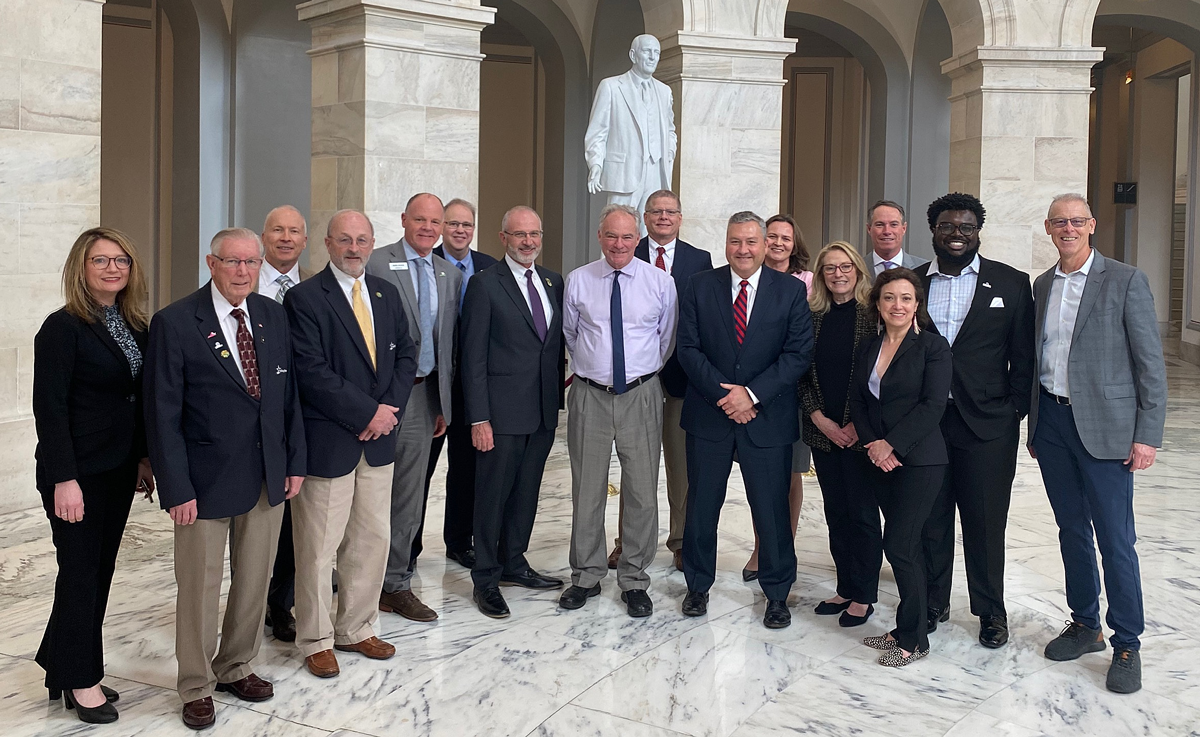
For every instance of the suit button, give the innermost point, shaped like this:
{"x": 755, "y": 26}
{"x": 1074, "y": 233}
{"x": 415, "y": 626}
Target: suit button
{"x": 738, "y": 366}
{"x": 258, "y": 444}
{"x": 132, "y": 398}
{"x": 373, "y": 385}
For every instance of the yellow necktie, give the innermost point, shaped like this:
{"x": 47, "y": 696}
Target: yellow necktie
{"x": 364, "y": 319}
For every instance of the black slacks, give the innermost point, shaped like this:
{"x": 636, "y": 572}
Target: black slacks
{"x": 906, "y": 495}
{"x": 458, "y": 525}
{"x": 855, "y": 532}
{"x": 767, "y": 473}
{"x": 281, "y": 593}
{"x": 506, "y": 495}
{"x": 979, "y": 483}
{"x": 72, "y": 648}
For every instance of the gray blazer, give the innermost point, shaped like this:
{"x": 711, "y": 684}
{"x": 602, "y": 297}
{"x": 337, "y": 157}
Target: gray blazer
{"x": 1116, "y": 370}
{"x": 912, "y": 262}
{"x": 445, "y": 327}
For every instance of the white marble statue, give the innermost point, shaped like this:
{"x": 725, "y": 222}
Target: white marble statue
{"x": 630, "y": 141}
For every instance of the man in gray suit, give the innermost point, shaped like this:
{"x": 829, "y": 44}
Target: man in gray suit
{"x": 1100, "y": 389}
{"x": 887, "y": 224}
{"x": 429, "y": 289}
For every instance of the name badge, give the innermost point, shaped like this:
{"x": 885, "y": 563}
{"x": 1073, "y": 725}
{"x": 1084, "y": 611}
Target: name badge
{"x": 398, "y": 266}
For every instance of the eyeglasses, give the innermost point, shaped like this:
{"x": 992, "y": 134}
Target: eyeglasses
{"x": 523, "y": 234}
{"x": 456, "y": 224}
{"x": 346, "y": 241}
{"x": 831, "y": 269}
{"x": 233, "y": 263}
{"x": 965, "y": 228}
{"x": 1061, "y": 223}
{"x": 659, "y": 213}
{"x": 101, "y": 262}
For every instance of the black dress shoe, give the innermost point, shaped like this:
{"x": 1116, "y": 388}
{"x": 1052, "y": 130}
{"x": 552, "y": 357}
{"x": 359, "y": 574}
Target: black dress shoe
{"x": 778, "y": 616}
{"x": 695, "y": 604}
{"x": 491, "y": 602}
{"x": 993, "y": 631}
{"x": 576, "y": 596}
{"x": 936, "y": 615}
{"x": 465, "y": 558}
{"x": 282, "y": 624}
{"x": 109, "y": 693}
{"x": 530, "y": 579}
{"x": 749, "y": 575}
{"x": 106, "y": 713}
{"x": 637, "y": 603}
{"x": 826, "y": 608}
{"x": 849, "y": 620}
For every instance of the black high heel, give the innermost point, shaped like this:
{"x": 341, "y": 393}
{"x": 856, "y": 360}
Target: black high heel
{"x": 106, "y": 713}
{"x": 111, "y": 694}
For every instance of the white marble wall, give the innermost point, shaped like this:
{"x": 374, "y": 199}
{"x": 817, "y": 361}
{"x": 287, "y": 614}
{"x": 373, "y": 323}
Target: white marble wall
{"x": 49, "y": 192}
{"x": 395, "y": 95}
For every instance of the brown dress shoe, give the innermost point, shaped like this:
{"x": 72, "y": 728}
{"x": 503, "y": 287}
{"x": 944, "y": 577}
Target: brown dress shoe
{"x": 407, "y": 605}
{"x": 679, "y": 560}
{"x": 322, "y": 664}
{"x": 250, "y": 688}
{"x": 613, "y": 557}
{"x": 199, "y": 714}
{"x": 372, "y": 647}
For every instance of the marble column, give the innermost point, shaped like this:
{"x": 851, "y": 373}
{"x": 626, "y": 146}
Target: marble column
{"x": 49, "y": 193}
{"x": 728, "y": 111}
{"x": 1019, "y": 136}
{"x": 395, "y": 97}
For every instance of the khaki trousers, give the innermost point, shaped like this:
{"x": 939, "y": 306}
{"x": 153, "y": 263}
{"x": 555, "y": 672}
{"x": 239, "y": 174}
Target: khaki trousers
{"x": 199, "y": 567}
{"x": 674, "y": 448}
{"x": 346, "y": 517}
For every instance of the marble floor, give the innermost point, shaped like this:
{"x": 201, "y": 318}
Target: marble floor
{"x": 595, "y": 671}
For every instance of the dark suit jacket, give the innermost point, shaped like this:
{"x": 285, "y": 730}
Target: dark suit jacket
{"x": 209, "y": 439}
{"x": 913, "y": 393}
{"x": 775, "y": 353}
{"x": 993, "y": 351}
{"x": 479, "y": 258}
{"x": 511, "y": 378}
{"x": 688, "y": 260}
{"x": 87, "y": 406}
{"x": 812, "y": 398}
{"x": 340, "y": 391}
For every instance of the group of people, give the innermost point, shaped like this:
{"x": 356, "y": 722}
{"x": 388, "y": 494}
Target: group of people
{"x": 296, "y": 419}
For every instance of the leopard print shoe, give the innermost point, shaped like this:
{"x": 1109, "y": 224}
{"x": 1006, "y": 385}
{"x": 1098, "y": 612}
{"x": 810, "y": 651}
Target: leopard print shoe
{"x": 880, "y": 642}
{"x": 895, "y": 657}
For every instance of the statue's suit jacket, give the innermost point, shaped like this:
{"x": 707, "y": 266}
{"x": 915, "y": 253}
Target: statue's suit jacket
{"x": 615, "y": 139}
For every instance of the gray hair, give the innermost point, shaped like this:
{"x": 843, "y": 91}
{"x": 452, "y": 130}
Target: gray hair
{"x": 463, "y": 203}
{"x": 663, "y": 194}
{"x": 339, "y": 213}
{"x": 1069, "y": 197}
{"x": 513, "y": 211}
{"x": 614, "y": 208}
{"x": 745, "y": 216}
{"x": 285, "y": 207}
{"x": 234, "y": 234}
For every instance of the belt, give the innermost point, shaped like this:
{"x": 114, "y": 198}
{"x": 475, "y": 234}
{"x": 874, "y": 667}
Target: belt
{"x": 1057, "y": 399}
{"x": 432, "y": 376}
{"x": 629, "y": 385}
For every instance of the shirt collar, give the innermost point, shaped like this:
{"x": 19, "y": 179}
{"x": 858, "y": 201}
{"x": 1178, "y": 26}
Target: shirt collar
{"x": 1085, "y": 269}
{"x": 466, "y": 260}
{"x": 668, "y": 248}
{"x": 517, "y": 269}
{"x": 271, "y": 274}
{"x": 345, "y": 279}
{"x": 223, "y": 307}
{"x": 411, "y": 253}
{"x": 898, "y": 259}
{"x": 753, "y": 278}
{"x": 971, "y": 267}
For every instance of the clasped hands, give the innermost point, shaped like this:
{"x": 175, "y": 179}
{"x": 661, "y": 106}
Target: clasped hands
{"x": 737, "y": 404}
{"x": 883, "y": 455}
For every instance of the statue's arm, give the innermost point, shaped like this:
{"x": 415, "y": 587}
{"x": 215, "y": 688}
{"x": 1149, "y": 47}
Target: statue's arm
{"x": 595, "y": 141}
{"x": 674, "y": 138}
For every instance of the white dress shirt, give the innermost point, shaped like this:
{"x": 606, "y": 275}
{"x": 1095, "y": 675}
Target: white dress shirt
{"x": 518, "y": 272}
{"x": 268, "y": 279}
{"x": 229, "y": 325}
{"x": 1062, "y": 308}
{"x": 751, "y": 294}
{"x": 877, "y": 261}
{"x": 346, "y": 282}
{"x": 950, "y": 297}
{"x": 668, "y": 252}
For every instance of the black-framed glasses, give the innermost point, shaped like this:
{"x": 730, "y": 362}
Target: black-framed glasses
{"x": 101, "y": 262}
{"x": 523, "y": 234}
{"x": 233, "y": 263}
{"x": 1061, "y": 223}
{"x": 660, "y": 212}
{"x": 831, "y": 269}
{"x": 456, "y": 224}
{"x": 965, "y": 228}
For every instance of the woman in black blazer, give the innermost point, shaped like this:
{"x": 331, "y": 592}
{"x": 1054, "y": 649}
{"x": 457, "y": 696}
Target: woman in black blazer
{"x": 91, "y": 453}
{"x": 897, "y": 403}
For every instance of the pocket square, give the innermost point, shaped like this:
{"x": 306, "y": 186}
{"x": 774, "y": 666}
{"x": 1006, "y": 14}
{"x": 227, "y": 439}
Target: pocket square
{"x": 997, "y": 302}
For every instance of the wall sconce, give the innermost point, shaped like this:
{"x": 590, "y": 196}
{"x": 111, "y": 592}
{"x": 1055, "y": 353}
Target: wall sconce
{"x": 1129, "y": 77}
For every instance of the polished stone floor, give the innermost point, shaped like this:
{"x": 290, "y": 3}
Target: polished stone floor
{"x": 597, "y": 672}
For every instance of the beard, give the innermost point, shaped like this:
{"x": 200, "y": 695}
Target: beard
{"x": 949, "y": 258}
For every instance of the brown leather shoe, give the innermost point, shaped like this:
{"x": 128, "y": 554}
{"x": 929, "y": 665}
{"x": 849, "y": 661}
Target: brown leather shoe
{"x": 407, "y": 605}
{"x": 372, "y": 647}
{"x": 199, "y": 714}
{"x": 613, "y": 557}
{"x": 322, "y": 664}
{"x": 679, "y": 560}
{"x": 250, "y": 688}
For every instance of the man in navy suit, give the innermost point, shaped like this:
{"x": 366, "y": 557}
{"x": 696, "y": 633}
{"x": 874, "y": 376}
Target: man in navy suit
{"x": 745, "y": 339}
{"x": 355, "y": 365}
{"x": 224, "y": 426}
{"x": 458, "y": 230}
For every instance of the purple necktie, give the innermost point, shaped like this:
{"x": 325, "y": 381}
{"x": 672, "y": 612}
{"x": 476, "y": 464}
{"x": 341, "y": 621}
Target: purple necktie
{"x": 535, "y": 306}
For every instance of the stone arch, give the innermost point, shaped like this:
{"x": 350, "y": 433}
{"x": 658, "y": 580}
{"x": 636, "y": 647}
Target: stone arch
{"x": 1179, "y": 19}
{"x": 975, "y": 23}
{"x": 759, "y": 18}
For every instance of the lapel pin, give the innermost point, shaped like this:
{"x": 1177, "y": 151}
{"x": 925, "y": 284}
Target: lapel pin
{"x": 224, "y": 354}
{"x": 259, "y": 324}
{"x": 548, "y": 283}
{"x": 280, "y": 370}
{"x": 989, "y": 286}
{"x": 379, "y": 295}
{"x": 218, "y": 345}
{"x": 391, "y": 346}
{"x": 441, "y": 273}
{"x": 211, "y": 335}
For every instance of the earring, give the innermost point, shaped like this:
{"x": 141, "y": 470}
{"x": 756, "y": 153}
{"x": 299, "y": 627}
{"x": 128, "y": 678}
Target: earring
{"x": 916, "y": 327}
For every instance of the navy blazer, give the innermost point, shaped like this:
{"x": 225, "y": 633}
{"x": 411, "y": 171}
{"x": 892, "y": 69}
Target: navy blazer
{"x": 479, "y": 258}
{"x": 774, "y": 354}
{"x": 209, "y": 439}
{"x": 688, "y": 260}
{"x": 340, "y": 390}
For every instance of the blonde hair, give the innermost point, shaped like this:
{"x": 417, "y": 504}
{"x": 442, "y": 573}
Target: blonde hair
{"x": 131, "y": 301}
{"x": 819, "y": 299}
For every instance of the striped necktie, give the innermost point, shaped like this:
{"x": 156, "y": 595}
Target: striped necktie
{"x": 739, "y": 311}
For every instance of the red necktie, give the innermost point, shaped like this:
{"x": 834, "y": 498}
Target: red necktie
{"x": 245, "y": 346}
{"x": 739, "y": 311}
{"x": 660, "y": 262}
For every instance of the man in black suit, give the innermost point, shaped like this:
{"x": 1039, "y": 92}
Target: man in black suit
{"x": 226, "y": 437}
{"x": 458, "y": 230}
{"x": 513, "y": 361}
{"x": 663, "y": 217}
{"x": 985, "y": 310}
{"x": 745, "y": 339}
{"x": 355, "y": 365}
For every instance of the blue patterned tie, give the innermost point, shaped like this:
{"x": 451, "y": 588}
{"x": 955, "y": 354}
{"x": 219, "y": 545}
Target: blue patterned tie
{"x": 426, "y": 360}
{"x": 618, "y": 338}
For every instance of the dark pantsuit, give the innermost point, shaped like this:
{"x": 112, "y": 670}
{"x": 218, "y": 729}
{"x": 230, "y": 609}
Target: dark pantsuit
{"x": 979, "y": 483}
{"x": 906, "y": 495}
{"x": 506, "y": 497}
{"x": 281, "y": 594}
{"x": 855, "y": 533}
{"x": 766, "y": 473}
{"x": 460, "y": 480}
{"x": 1088, "y": 493}
{"x": 72, "y": 648}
